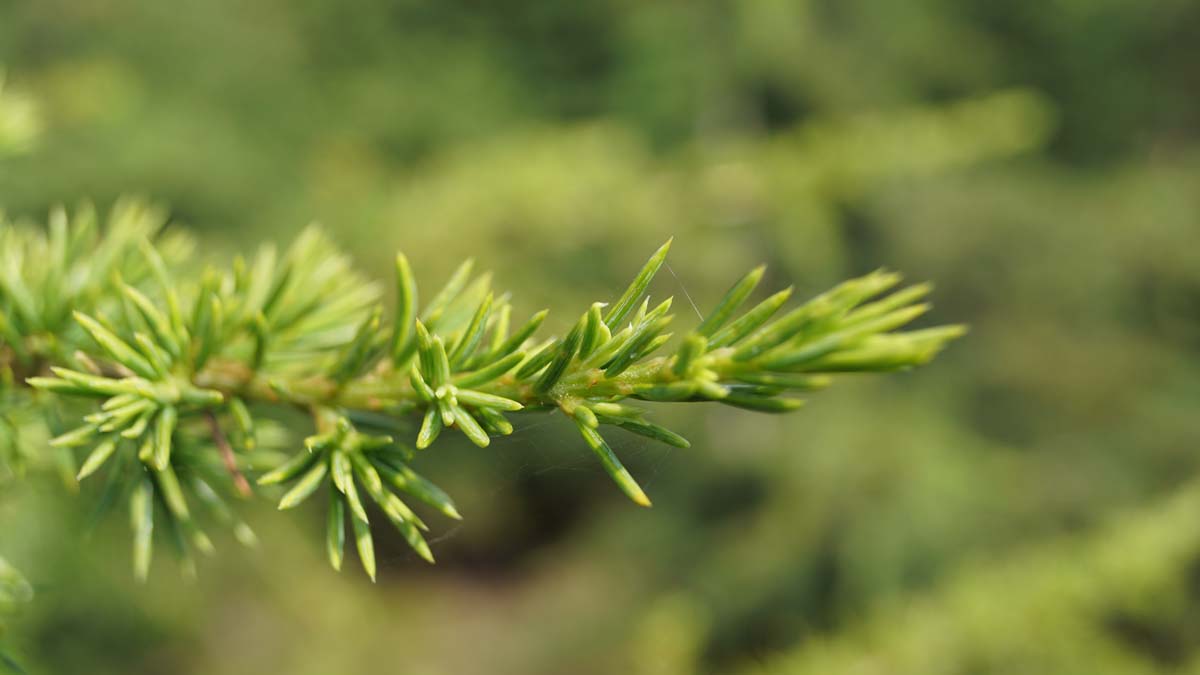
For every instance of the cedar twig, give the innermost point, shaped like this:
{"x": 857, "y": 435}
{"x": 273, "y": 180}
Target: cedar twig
{"x": 157, "y": 346}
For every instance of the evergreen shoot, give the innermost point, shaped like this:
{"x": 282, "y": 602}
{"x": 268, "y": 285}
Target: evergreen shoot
{"x": 122, "y": 363}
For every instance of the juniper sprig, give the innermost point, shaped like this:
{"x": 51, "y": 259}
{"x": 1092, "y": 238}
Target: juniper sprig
{"x": 186, "y": 369}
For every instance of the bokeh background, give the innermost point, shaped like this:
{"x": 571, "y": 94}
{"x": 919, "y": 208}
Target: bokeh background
{"x": 1030, "y": 503}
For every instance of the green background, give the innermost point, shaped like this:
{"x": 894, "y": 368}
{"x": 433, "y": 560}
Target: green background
{"x": 1029, "y": 503}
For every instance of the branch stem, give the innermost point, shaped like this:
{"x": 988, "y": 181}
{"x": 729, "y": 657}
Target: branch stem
{"x": 227, "y": 456}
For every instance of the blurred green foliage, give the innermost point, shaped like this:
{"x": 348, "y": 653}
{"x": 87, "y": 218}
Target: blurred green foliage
{"x": 1022, "y": 506}
{"x": 19, "y": 121}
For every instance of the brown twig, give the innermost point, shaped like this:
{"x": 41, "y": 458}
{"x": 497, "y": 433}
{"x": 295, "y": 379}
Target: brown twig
{"x": 239, "y": 481}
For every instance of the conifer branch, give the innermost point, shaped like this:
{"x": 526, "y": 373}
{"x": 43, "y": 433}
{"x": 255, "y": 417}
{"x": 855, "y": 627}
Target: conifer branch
{"x": 185, "y": 371}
